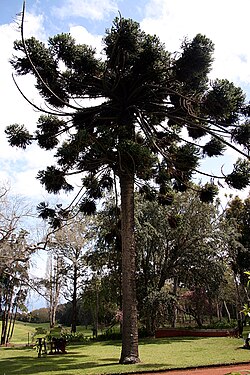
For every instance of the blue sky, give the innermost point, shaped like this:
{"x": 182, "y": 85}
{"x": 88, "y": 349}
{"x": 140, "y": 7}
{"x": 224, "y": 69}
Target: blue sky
{"x": 225, "y": 22}
{"x": 58, "y": 14}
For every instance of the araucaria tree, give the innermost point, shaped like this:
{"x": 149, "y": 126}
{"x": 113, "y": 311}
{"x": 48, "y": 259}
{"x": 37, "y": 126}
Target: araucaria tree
{"x": 141, "y": 99}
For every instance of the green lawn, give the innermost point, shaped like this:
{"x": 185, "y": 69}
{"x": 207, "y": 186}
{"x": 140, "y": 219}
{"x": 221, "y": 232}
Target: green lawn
{"x": 23, "y": 332}
{"x": 102, "y": 357}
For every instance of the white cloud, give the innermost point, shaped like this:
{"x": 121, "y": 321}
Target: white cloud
{"x": 226, "y": 23}
{"x": 82, "y": 36}
{"x": 34, "y": 26}
{"x": 15, "y": 109}
{"x": 92, "y": 9}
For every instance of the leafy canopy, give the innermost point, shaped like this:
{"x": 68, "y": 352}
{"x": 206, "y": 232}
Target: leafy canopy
{"x": 144, "y": 97}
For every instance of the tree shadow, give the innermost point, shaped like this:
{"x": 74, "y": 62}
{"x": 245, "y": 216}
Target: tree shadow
{"x": 152, "y": 340}
{"x": 21, "y": 364}
{"x": 32, "y": 366}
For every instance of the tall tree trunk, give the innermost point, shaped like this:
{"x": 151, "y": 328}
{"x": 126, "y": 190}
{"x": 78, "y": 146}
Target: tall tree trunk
{"x": 10, "y": 324}
{"x": 174, "y": 305}
{"x": 5, "y": 317}
{"x": 97, "y": 310}
{"x": 227, "y": 311}
{"x": 54, "y": 287}
{"x": 3, "y": 332}
{"x": 13, "y": 324}
{"x": 129, "y": 352}
{"x": 74, "y": 308}
{"x": 239, "y": 302}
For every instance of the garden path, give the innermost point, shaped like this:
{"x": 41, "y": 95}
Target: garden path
{"x": 243, "y": 369}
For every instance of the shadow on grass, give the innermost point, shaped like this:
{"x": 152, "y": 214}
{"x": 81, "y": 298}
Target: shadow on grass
{"x": 151, "y": 340}
{"x": 21, "y": 364}
{"x": 25, "y": 361}
{"x": 30, "y": 365}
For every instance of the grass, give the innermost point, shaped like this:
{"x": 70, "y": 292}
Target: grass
{"x": 23, "y": 331}
{"x": 94, "y": 358}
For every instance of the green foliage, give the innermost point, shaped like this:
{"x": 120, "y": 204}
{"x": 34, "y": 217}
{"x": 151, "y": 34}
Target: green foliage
{"x": 55, "y": 216}
{"x": 238, "y": 218}
{"x": 40, "y": 332}
{"x": 45, "y": 69}
{"x": 157, "y": 305}
{"x": 195, "y": 63}
{"x": 222, "y": 324}
{"x": 110, "y": 335}
{"x": 145, "y": 55}
{"x": 224, "y": 101}
{"x": 141, "y": 88}
{"x": 165, "y": 199}
{"x": 75, "y": 337}
{"x": 240, "y": 177}
{"x": 148, "y": 192}
{"x": 186, "y": 159}
{"x": 48, "y": 130}
{"x": 141, "y": 84}
{"x": 214, "y": 147}
{"x": 246, "y": 307}
{"x": 18, "y": 136}
{"x": 182, "y": 241}
{"x": 241, "y": 134}
{"x": 44, "y": 211}
{"x": 87, "y": 206}
{"x": 39, "y": 315}
{"x": 15, "y": 256}
{"x": 54, "y": 180}
{"x": 137, "y": 159}
{"x": 208, "y": 193}
{"x": 79, "y": 59}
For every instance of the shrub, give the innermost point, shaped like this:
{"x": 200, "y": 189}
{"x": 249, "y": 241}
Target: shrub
{"x": 74, "y": 337}
{"x": 222, "y": 324}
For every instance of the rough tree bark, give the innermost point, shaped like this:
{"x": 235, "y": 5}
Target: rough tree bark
{"x": 129, "y": 352}
{"x": 74, "y": 301}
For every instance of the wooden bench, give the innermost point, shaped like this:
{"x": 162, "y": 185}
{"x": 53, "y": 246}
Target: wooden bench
{"x": 54, "y": 340}
{"x": 57, "y": 342}
{"x": 41, "y": 346}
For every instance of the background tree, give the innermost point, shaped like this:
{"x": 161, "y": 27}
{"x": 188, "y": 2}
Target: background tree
{"x": 177, "y": 245}
{"x": 40, "y": 315}
{"x": 148, "y": 97}
{"x": 238, "y": 215}
{"x": 15, "y": 254}
{"x": 227, "y": 300}
{"x": 53, "y": 283}
{"x": 105, "y": 255}
{"x": 71, "y": 243}
{"x": 196, "y": 304}
{"x": 238, "y": 245}
{"x": 13, "y": 212}
{"x": 13, "y": 283}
